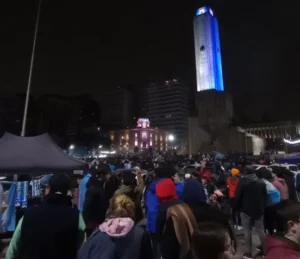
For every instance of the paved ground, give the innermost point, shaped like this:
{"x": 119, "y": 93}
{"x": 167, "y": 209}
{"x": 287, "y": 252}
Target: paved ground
{"x": 240, "y": 240}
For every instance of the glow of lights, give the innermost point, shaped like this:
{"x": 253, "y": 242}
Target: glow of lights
{"x": 2, "y": 178}
{"x": 102, "y": 155}
{"x": 143, "y": 123}
{"x": 136, "y": 143}
{"x": 113, "y": 152}
{"x": 122, "y": 137}
{"x": 292, "y": 142}
{"x": 171, "y": 138}
{"x": 98, "y": 128}
{"x": 141, "y": 145}
{"x": 72, "y": 147}
{"x": 204, "y": 10}
{"x": 100, "y": 146}
{"x": 150, "y": 143}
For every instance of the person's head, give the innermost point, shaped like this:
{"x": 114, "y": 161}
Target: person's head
{"x": 121, "y": 206}
{"x": 249, "y": 170}
{"x": 176, "y": 178}
{"x": 193, "y": 193}
{"x": 235, "y": 172}
{"x": 128, "y": 178}
{"x": 291, "y": 214}
{"x": 166, "y": 191}
{"x": 212, "y": 240}
{"x": 59, "y": 184}
{"x": 206, "y": 177}
{"x": 165, "y": 171}
{"x": 264, "y": 173}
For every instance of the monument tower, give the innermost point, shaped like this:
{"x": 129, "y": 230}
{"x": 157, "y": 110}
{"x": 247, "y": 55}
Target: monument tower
{"x": 208, "y": 51}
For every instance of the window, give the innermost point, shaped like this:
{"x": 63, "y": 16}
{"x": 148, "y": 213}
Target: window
{"x": 135, "y": 135}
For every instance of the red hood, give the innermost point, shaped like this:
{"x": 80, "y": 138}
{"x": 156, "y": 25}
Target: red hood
{"x": 281, "y": 249}
{"x": 166, "y": 190}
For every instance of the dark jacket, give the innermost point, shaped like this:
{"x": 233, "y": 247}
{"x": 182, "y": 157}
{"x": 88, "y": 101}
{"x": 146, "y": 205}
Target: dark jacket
{"x": 95, "y": 207}
{"x": 251, "y": 196}
{"x": 51, "y": 230}
{"x": 135, "y": 244}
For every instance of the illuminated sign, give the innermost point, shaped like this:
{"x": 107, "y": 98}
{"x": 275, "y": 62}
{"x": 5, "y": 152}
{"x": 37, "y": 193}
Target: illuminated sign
{"x": 204, "y": 10}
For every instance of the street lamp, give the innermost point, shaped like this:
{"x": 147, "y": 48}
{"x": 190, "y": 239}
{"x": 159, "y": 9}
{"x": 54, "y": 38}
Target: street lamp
{"x": 171, "y": 138}
{"x": 100, "y": 146}
{"x": 72, "y": 147}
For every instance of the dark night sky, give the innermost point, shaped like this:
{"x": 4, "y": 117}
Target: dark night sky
{"x": 83, "y": 46}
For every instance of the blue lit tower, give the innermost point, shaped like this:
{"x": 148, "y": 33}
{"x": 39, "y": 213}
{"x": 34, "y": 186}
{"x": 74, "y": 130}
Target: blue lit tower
{"x": 207, "y": 51}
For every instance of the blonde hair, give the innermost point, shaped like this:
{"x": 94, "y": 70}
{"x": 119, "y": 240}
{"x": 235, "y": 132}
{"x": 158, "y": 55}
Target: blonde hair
{"x": 121, "y": 206}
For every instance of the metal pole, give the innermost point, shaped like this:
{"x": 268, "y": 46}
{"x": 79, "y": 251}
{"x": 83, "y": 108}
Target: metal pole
{"x": 30, "y": 71}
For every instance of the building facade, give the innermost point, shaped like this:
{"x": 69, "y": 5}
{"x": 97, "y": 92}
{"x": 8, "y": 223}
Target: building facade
{"x": 167, "y": 107}
{"x": 141, "y": 138}
{"x": 117, "y": 107}
{"x": 207, "y": 51}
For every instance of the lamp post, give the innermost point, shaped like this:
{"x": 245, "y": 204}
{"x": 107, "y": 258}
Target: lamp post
{"x": 30, "y": 71}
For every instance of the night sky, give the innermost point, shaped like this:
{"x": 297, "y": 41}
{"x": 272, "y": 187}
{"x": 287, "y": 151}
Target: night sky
{"x": 84, "y": 46}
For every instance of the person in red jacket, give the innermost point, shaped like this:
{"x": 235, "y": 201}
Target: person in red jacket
{"x": 288, "y": 245}
{"x": 232, "y": 183}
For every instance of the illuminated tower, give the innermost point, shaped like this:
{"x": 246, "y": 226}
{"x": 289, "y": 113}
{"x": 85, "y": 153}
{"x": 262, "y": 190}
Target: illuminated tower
{"x": 207, "y": 51}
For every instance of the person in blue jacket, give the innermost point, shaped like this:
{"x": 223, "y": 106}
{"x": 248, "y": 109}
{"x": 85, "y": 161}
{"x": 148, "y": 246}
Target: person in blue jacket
{"x": 152, "y": 203}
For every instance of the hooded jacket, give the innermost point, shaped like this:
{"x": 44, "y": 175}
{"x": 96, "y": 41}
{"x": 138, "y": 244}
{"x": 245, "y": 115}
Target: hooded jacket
{"x": 232, "y": 183}
{"x": 281, "y": 185}
{"x": 166, "y": 192}
{"x": 117, "y": 238}
{"x": 251, "y": 196}
{"x": 282, "y": 248}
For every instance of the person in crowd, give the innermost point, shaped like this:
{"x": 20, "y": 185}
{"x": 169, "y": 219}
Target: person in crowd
{"x": 110, "y": 184}
{"x": 288, "y": 244}
{"x": 129, "y": 187}
{"x": 250, "y": 200}
{"x": 232, "y": 183}
{"x": 289, "y": 177}
{"x": 166, "y": 192}
{"x": 161, "y": 172}
{"x": 179, "y": 185}
{"x": 273, "y": 198}
{"x": 95, "y": 205}
{"x": 281, "y": 185}
{"x": 208, "y": 185}
{"x": 212, "y": 240}
{"x": 52, "y": 230}
{"x": 118, "y": 237}
{"x": 82, "y": 190}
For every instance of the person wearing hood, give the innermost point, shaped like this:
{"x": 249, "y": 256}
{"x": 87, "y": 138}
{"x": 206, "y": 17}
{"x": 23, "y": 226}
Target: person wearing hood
{"x": 51, "y": 230}
{"x": 273, "y": 199}
{"x": 232, "y": 183}
{"x": 251, "y": 200}
{"x": 166, "y": 193}
{"x": 118, "y": 236}
{"x": 129, "y": 187}
{"x": 162, "y": 172}
{"x": 286, "y": 245}
{"x": 179, "y": 185}
{"x": 179, "y": 228}
{"x": 281, "y": 185}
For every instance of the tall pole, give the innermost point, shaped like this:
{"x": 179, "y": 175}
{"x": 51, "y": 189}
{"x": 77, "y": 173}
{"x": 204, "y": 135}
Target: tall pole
{"x": 30, "y": 71}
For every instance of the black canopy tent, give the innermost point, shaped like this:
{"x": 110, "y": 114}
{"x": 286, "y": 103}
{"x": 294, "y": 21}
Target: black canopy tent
{"x": 35, "y": 155}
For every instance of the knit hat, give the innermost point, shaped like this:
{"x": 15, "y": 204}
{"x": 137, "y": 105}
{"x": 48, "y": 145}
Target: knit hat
{"x": 234, "y": 172}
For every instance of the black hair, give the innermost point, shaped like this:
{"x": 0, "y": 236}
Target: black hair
{"x": 209, "y": 240}
{"x": 59, "y": 183}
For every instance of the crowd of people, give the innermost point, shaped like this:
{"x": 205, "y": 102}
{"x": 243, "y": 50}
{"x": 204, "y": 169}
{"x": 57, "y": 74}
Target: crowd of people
{"x": 162, "y": 215}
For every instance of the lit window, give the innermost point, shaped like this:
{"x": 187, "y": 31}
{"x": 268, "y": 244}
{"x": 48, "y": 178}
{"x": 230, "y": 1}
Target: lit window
{"x": 150, "y": 135}
{"x": 146, "y": 145}
{"x": 127, "y": 136}
{"x": 160, "y": 138}
{"x": 155, "y": 137}
{"x": 151, "y": 143}
{"x": 136, "y": 135}
{"x": 136, "y": 143}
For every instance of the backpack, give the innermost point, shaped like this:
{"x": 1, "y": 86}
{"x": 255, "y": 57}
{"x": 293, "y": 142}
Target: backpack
{"x": 184, "y": 225}
{"x": 273, "y": 195}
